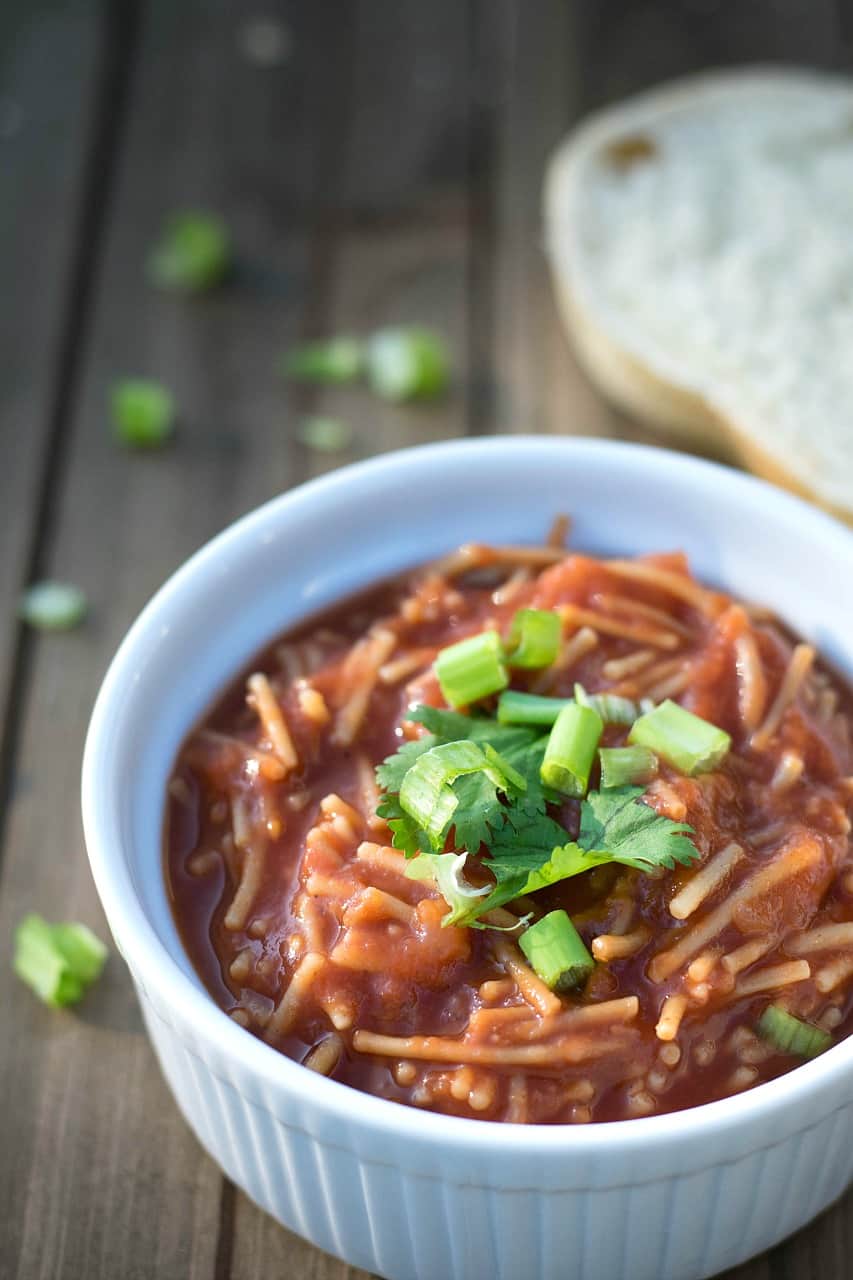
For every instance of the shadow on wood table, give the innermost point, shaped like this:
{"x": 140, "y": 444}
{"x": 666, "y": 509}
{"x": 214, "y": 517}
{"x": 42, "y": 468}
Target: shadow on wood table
{"x": 378, "y": 161}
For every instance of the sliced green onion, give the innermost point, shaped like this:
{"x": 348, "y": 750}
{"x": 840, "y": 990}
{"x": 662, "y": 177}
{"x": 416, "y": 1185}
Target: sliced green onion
{"x": 59, "y": 961}
{"x": 192, "y": 254}
{"x": 472, "y": 669}
{"x": 529, "y": 708}
{"x": 556, "y": 952}
{"x": 143, "y": 413}
{"x": 611, "y": 708}
{"x": 325, "y": 435}
{"x": 624, "y": 766}
{"x": 534, "y": 638}
{"x": 791, "y": 1035}
{"x": 426, "y": 792}
{"x": 53, "y": 606}
{"x": 571, "y": 750}
{"x": 686, "y": 741}
{"x": 336, "y": 360}
{"x": 407, "y": 364}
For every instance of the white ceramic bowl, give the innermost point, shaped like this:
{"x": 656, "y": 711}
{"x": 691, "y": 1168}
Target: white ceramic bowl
{"x": 388, "y": 1188}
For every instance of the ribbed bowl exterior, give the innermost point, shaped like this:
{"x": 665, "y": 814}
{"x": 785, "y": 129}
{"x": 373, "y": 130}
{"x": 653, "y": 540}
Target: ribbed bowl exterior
{"x": 404, "y": 1215}
{"x": 386, "y": 1187}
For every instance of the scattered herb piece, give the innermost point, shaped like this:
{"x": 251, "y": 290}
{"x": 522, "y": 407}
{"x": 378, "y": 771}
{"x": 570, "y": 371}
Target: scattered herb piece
{"x": 407, "y": 364}
{"x": 686, "y": 741}
{"x": 791, "y": 1035}
{"x": 611, "y": 708}
{"x": 472, "y": 669}
{"x": 336, "y": 360}
{"x": 143, "y": 413}
{"x": 59, "y": 961}
{"x": 534, "y": 638}
{"x": 325, "y": 435}
{"x": 515, "y": 707}
{"x": 192, "y": 255}
{"x": 622, "y": 766}
{"x": 556, "y": 952}
{"x": 571, "y": 749}
{"x": 53, "y": 606}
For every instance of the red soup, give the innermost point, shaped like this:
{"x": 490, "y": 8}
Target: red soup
{"x": 604, "y": 872}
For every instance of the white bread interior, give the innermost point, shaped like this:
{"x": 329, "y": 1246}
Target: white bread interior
{"x": 656, "y": 382}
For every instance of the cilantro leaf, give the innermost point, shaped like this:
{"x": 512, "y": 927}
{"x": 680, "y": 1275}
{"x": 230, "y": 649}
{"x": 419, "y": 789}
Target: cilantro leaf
{"x": 613, "y": 822}
{"x": 392, "y": 771}
{"x": 406, "y": 835}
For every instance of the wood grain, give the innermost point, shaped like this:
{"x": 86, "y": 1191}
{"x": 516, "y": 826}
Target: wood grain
{"x": 386, "y": 168}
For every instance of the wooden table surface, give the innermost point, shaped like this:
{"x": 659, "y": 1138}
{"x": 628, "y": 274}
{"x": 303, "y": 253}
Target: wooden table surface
{"x": 377, "y": 161}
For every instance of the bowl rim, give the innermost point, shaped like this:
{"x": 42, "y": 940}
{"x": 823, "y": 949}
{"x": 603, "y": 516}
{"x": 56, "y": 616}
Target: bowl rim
{"x": 157, "y": 970}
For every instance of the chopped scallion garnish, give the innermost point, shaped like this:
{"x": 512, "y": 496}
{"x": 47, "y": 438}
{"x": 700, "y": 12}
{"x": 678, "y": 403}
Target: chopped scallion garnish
{"x": 143, "y": 413}
{"x": 407, "y": 364}
{"x": 611, "y": 708}
{"x": 571, "y": 750}
{"x": 59, "y": 961}
{"x": 472, "y": 669}
{"x": 192, "y": 254}
{"x": 335, "y": 360}
{"x": 624, "y": 766}
{"x": 556, "y": 952}
{"x": 534, "y": 638}
{"x": 529, "y": 708}
{"x": 791, "y": 1035}
{"x": 53, "y": 606}
{"x": 325, "y": 435}
{"x": 686, "y": 741}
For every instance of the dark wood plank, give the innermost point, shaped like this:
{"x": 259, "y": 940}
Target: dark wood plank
{"x": 102, "y": 1177}
{"x": 48, "y": 92}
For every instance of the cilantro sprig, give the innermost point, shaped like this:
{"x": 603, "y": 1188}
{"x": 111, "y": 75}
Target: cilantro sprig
{"x": 478, "y": 793}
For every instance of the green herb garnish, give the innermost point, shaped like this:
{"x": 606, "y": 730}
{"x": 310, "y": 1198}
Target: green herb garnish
{"x": 611, "y": 708}
{"x": 624, "y": 766}
{"x": 515, "y": 707}
{"x": 336, "y": 360}
{"x": 791, "y": 1035}
{"x": 499, "y": 813}
{"x": 571, "y": 749}
{"x": 143, "y": 413}
{"x": 59, "y": 961}
{"x": 556, "y": 952}
{"x": 325, "y": 435}
{"x": 472, "y": 669}
{"x": 686, "y": 741}
{"x": 193, "y": 253}
{"x": 534, "y": 638}
{"x": 407, "y": 364}
{"x": 53, "y": 606}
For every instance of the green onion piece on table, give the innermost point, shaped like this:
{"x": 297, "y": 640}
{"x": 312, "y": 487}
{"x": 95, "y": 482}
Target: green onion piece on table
{"x": 472, "y": 669}
{"x": 515, "y": 707}
{"x": 193, "y": 253}
{"x": 325, "y": 435}
{"x": 53, "y": 606}
{"x": 59, "y": 961}
{"x": 624, "y": 766}
{"x": 143, "y": 413}
{"x": 571, "y": 750}
{"x": 611, "y": 708}
{"x": 791, "y": 1035}
{"x": 556, "y": 952}
{"x": 336, "y": 360}
{"x": 407, "y": 364}
{"x": 534, "y": 638}
{"x": 686, "y": 741}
